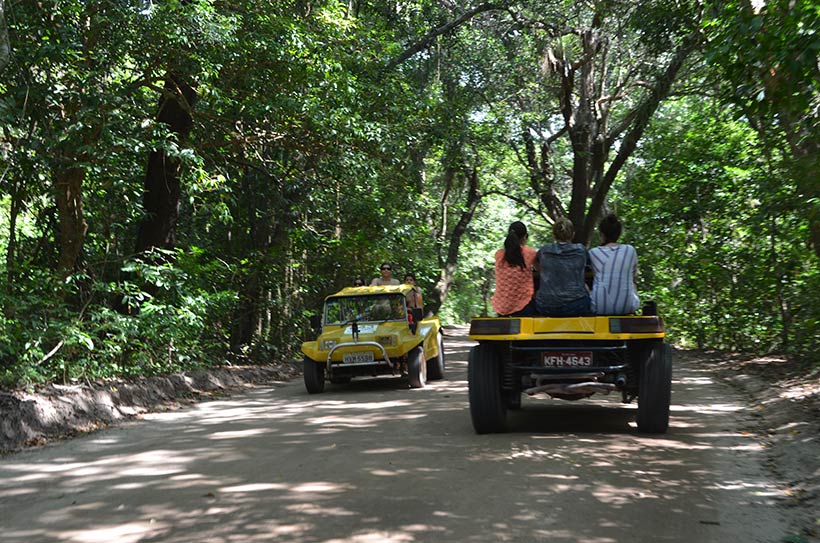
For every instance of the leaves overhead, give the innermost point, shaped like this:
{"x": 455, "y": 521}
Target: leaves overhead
{"x": 330, "y": 136}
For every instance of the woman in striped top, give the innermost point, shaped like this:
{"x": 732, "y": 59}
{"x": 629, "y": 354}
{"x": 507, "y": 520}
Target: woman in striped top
{"x": 616, "y": 268}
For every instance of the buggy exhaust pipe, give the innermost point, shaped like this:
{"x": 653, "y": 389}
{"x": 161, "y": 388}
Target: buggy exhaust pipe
{"x": 588, "y": 387}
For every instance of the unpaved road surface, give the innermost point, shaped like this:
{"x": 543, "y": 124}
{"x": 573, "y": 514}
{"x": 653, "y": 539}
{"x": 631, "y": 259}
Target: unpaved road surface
{"x": 374, "y": 461}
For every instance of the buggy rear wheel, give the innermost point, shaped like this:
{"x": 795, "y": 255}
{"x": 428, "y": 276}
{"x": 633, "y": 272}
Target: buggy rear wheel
{"x": 488, "y": 408}
{"x": 512, "y": 399}
{"x": 314, "y": 374}
{"x": 655, "y": 392}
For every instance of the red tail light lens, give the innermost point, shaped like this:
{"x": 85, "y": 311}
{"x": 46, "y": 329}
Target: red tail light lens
{"x": 635, "y": 325}
{"x": 494, "y": 327}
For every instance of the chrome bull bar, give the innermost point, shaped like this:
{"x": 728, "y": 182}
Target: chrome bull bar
{"x": 329, "y": 364}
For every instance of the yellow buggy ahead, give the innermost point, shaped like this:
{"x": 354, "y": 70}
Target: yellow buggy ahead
{"x": 368, "y": 331}
{"x": 570, "y": 359}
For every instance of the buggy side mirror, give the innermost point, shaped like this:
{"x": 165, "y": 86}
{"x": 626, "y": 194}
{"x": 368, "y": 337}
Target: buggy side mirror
{"x": 316, "y": 322}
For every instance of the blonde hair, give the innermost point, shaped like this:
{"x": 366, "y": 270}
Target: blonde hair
{"x": 562, "y": 230}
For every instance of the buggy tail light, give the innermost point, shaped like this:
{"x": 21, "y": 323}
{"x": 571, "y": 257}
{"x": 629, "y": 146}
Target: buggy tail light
{"x": 635, "y": 325}
{"x": 494, "y": 327}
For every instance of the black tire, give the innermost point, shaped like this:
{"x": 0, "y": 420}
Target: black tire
{"x": 314, "y": 374}
{"x": 512, "y": 399}
{"x": 416, "y": 368}
{"x": 655, "y": 392}
{"x": 487, "y": 406}
{"x": 435, "y": 366}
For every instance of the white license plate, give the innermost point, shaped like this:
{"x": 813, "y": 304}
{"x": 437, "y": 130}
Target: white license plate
{"x": 566, "y": 360}
{"x": 357, "y": 358}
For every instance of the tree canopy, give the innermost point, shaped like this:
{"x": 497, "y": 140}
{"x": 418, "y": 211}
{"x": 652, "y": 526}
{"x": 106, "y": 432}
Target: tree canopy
{"x": 183, "y": 181}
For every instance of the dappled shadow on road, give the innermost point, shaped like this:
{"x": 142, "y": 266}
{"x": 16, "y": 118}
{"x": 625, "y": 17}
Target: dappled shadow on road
{"x": 377, "y": 461}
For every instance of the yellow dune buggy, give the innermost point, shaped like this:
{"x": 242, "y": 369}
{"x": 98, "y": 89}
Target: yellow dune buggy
{"x": 570, "y": 359}
{"x": 368, "y": 331}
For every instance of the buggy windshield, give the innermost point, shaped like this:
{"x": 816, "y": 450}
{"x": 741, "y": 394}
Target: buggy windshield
{"x": 378, "y": 308}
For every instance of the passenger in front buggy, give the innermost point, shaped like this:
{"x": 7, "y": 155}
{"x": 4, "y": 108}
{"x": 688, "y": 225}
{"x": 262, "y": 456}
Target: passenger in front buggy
{"x": 515, "y": 265}
{"x": 414, "y": 299}
{"x": 562, "y": 292}
{"x": 615, "y": 267}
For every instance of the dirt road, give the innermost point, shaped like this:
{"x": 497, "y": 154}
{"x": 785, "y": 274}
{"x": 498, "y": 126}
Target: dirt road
{"x": 374, "y": 461}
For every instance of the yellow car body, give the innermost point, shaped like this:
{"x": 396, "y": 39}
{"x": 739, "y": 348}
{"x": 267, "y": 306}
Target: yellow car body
{"x": 368, "y": 331}
{"x": 569, "y": 358}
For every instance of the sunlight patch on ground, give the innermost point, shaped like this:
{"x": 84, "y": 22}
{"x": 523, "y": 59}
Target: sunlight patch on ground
{"x": 527, "y": 452}
{"x": 370, "y": 406}
{"x": 694, "y": 380}
{"x": 237, "y": 434}
{"x": 388, "y": 473}
{"x": 620, "y": 495}
{"x": 709, "y": 409}
{"x": 555, "y": 476}
{"x": 560, "y": 488}
{"x": 124, "y": 533}
{"x": 319, "y": 487}
{"x": 155, "y": 463}
{"x": 148, "y": 464}
{"x": 390, "y": 450}
{"x": 319, "y": 510}
{"x": 754, "y": 486}
{"x": 254, "y": 487}
{"x": 316, "y": 487}
{"x": 273, "y": 530}
{"x": 375, "y": 537}
{"x": 363, "y": 422}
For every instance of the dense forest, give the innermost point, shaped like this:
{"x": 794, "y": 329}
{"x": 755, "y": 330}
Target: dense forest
{"x": 183, "y": 181}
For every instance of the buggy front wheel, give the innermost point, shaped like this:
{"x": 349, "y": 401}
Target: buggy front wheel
{"x": 416, "y": 368}
{"x": 314, "y": 374}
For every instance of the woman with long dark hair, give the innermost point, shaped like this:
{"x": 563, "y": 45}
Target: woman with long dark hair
{"x": 514, "y": 266}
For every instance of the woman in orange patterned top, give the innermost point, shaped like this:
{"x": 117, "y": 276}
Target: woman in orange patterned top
{"x": 514, "y": 266}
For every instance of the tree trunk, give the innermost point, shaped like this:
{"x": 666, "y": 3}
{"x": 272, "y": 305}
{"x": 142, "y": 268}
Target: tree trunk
{"x": 162, "y": 177}
{"x": 73, "y": 227}
{"x": 586, "y": 103}
{"x": 806, "y": 151}
{"x": 448, "y": 270}
{"x": 11, "y": 246}
{"x": 5, "y": 44}
{"x": 542, "y": 177}
{"x": 641, "y": 116}
{"x": 583, "y": 129}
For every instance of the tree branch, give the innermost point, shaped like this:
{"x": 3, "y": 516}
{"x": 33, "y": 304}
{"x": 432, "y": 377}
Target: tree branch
{"x": 424, "y": 42}
{"x": 642, "y": 116}
{"x": 5, "y": 44}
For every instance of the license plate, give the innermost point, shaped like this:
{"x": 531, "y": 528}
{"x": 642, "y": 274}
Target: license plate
{"x": 357, "y": 358}
{"x": 566, "y": 360}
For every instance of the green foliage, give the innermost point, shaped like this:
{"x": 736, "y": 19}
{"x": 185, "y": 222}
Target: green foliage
{"x": 45, "y": 340}
{"x": 310, "y": 162}
{"x": 770, "y": 53}
{"x": 719, "y": 234}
